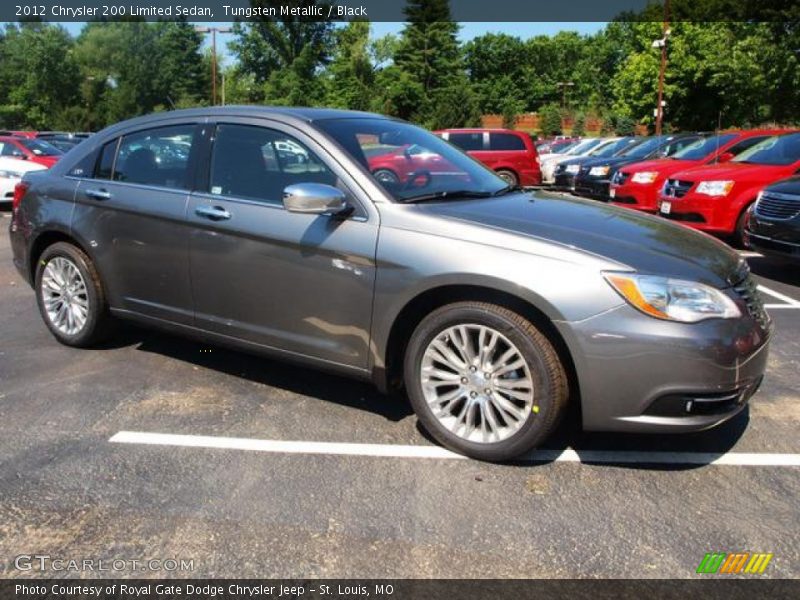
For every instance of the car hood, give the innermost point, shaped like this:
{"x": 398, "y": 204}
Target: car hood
{"x": 732, "y": 170}
{"x": 646, "y": 243}
{"x": 661, "y": 165}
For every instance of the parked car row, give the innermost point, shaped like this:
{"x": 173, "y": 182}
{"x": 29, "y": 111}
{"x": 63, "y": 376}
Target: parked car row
{"x": 26, "y": 151}
{"x": 707, "y": 182}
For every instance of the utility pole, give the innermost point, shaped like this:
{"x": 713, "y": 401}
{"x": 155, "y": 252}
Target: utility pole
{"x": 564, "y": 85}
{"x": 213, "y": 31}
{"x": 663, "y": 44}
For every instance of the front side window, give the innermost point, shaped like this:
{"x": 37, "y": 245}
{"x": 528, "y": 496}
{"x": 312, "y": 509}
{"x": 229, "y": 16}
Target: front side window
{"x": 505, "y": 141}
{"x": 257, "y": 163}
{"x": 409, "y": 162}
{"x": 157, "y": 157}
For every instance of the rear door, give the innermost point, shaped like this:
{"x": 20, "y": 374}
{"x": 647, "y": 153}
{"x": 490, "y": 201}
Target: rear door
{"x": 300, "y": 283}
{"x": 132, "y": 212}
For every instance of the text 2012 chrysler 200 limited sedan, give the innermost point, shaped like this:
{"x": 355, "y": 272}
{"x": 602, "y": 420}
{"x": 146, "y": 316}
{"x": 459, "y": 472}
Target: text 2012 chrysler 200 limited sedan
{"x": 264, "y": 229}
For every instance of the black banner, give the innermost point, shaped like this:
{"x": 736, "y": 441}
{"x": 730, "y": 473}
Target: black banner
{"x": 397, "y": 589}
{"x": 393, "y": 10}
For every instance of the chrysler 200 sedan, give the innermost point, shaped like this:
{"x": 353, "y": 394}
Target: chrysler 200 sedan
{"x": 492, "y": 308}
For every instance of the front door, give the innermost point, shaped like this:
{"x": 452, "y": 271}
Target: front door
{"x": 297, "y": 282}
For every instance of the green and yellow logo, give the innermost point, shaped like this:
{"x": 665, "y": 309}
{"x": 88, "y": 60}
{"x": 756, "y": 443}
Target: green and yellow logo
{"x": 753, "y": 563}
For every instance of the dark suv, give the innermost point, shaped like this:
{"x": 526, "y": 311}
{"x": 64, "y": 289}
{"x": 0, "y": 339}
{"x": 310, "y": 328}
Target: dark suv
{"x": 265, "y": 229}
{"x": 773, "y": 225}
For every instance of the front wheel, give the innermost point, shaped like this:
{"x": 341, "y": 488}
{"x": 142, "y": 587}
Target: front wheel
{"x": 484, "y": 381}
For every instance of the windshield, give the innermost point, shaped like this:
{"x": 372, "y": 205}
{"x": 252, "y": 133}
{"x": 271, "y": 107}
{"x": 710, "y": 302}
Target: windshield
{"x": 40, "y": 148}
{"x": 777, "y": 150}
{"x": 612, "y": 148}
{"x": 410, "y": 162}
{"x": 645, "y": 148}
{"x": 583, "y": 147}
{"x": 703, "y": 148}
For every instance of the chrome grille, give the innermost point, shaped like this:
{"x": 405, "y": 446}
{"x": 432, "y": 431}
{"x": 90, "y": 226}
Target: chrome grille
{"x": 675, "y": 188}
{"x": 778, "y": 206}
{"x": 747, "y": 289}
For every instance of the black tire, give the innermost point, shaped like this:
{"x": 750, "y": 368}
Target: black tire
{"x": 739, "y": 238}
{"x": 509, "y": 176}
{"x": 386, "y": 176}
{"x": 547, "y": 372}
{"x": 99, "y": 323}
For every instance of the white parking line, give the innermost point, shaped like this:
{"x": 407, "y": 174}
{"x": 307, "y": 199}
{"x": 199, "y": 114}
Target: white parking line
{"x": 400, "y": 451}
{"x": 792, "y": 303}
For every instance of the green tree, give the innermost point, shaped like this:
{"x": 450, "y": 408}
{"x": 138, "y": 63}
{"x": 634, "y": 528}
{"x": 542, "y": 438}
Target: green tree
{"x": 351, "y": 75}
{"x": 428, "y": 82}
{"x": 38, "y": 76}
{"x": 550, "y": 119}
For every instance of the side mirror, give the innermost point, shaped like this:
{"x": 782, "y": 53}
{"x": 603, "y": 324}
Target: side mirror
{"x": 725, "y": 157}
{"x": 314, "y": 199}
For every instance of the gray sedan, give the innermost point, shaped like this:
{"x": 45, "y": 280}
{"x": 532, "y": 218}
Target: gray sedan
{"x": 266, "y": 229}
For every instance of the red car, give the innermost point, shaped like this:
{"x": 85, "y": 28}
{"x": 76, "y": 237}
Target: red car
{"x": 403, "y": 161}
{"x": 511, "y": 154}
{"x": 716, "y": 198}
{"x": 638, "y": 185}
{"x": 37, "y": 151}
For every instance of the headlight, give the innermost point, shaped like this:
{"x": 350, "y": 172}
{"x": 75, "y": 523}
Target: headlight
{"x": 644, "y": 177}
{"x": 714, "y": 188}
{"x": 673, "y": 299}
{"x": 599, "y": 171}
{"x": 572, "y": 168}
{"x": 11, "y": 174}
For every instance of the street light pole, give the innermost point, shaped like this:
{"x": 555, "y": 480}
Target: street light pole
{"x": 564, "y": 85}
{"x": 662, "y": 70}
{"x": 213, "y": 31}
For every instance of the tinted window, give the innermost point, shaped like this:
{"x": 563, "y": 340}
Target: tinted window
{"x": 85, "y": 166}
{"x": 614, "y": 147}
{"x": 778, "y": 150}
{"x": 258, "y": 163}
{"x": 699, "y": 149}
{"x": 156, "y": 157}
{"x": 106, "y": 162}
{"x": 467, "y": 141}
{"x": 505, "y": 141}
{"x": 645, "y": 148}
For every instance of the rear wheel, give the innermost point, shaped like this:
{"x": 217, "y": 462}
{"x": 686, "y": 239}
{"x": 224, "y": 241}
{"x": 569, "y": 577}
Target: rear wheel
{"x": 70, "y": 296}
{"x": 484, "y": 381}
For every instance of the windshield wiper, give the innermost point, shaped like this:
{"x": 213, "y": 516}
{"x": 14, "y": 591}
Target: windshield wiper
{"x": 514, "y": 187}
{"x": 446, "y": 195}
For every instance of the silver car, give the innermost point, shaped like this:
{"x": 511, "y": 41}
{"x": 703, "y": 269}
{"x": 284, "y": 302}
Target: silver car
{"x": 493, "y": 308}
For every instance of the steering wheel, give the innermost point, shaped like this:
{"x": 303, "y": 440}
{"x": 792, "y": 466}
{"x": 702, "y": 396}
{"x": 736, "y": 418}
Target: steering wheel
{"x": 411, "y": 184}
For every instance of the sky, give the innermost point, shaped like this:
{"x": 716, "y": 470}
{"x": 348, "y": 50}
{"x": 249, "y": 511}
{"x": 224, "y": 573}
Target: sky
{"x": 468, "y": 30}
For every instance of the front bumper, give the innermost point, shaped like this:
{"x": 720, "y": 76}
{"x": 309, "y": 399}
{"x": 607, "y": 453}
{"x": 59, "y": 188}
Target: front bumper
{"x": 640, "y": 196}
{"x": 640, "y": 374}
{"x": 592, "y": 187}
{"x": 705, "y": 213}
{"x": 780, "y": 236}
{"x": 565, "y": 181}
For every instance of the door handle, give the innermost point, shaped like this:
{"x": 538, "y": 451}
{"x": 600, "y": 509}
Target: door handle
{"x": 215, "y": 213}
{"x": 98, "y": 194}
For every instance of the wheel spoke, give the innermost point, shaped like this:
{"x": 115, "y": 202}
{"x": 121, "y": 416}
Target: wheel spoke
{"x": 64, "y": 296}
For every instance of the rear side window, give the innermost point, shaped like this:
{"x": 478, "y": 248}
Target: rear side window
{"x": 157, "y": 157}
{"x": 106, "y": 162}
{"x": 467, "y": 141}
{"x": 85, "y": 166}
{"x": 257, "y": 163}
{"x": 505, "y": 141}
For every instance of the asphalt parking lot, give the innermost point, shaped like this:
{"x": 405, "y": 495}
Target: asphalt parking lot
{"x": 596, "y": 505}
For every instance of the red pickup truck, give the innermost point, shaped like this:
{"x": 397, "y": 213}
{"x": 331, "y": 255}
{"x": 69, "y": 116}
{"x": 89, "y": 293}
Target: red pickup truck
{"x": 511, "y": 154}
